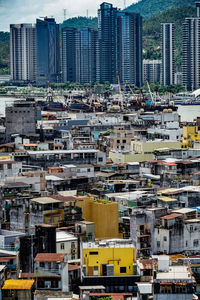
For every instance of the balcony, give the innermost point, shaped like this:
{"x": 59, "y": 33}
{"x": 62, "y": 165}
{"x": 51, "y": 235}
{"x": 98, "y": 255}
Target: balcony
{"x": 47, "y": 272}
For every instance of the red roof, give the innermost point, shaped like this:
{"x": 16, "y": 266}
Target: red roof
{"x": 65, "y": 198}
{"x": 113, "y": 295}
{"x": 147, "y": 263}
{"x": 8, "y": 162}
{"x": 73, "y": 267}
{"x": 186, "y": 162}
{"x": 58, "y": 257}
{"x": 170, "y": 217}
{"x": 169, "y": 164}
{"x": 6, "y": 258}
{"x": 27, "y": 275}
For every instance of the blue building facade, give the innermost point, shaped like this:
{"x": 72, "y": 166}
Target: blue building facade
{"x": 129, "y": 48}
{"x": 107, "y": 44}
{"x": 48, "y": 51}
{"x": 79, "y": 54}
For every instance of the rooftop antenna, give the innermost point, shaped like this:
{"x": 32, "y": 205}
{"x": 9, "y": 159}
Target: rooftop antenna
{"x": 65, "y": 14}
{"x": 87, "y": 13}
{"x": 124, "y": 3}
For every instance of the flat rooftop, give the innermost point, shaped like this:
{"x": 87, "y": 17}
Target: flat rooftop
{"x": 112, "y": 243}
{"x": 54, "y": 152}
{"x": 45, "y": 200}
{"x": 62, "y": 236}
{"x": 175, "y": 273}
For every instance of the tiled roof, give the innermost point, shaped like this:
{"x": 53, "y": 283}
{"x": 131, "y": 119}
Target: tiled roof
{"x": 73, "y": 267}
{"x": 58, "y": 257}
{"x": 65, "y": 198}
{"x": 6, "y": 258}
{"x": 169, "y": 164}
{"x": 27, "y": 275}
{"x": 170, "y": 217}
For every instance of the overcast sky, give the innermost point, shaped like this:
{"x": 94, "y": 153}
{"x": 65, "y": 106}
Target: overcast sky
{"x": 26, "y": 11}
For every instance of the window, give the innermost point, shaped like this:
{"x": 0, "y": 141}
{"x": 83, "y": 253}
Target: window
{"x": 54, "y": 284}
{"x": 186, "y": 243}
{"x": 72, "y": 245}
{"x": 94, "y": 252}
{"x": 88, "y": 170}
{"x": 49, "y": 265}
{"x": 164, "y": 238}
{"x": 158, "y": 244}
{"x": 124, "y": 141}
{"x": 122, "y": 269}
{"x": 9, "y": 166}
{"x": 90, "y": 236}
{"x": 196, "y": 243}
{"x": 100, "y": 159}
{"x": 42, "y": 264}
{"x": 62, "y": 246}
{"x": 118, "y": 141}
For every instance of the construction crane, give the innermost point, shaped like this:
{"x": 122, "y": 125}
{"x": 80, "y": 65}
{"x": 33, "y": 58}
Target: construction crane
{"x": 132, "y": 92}
{"x": 150, "y": 92}
{"x": 120, "y": 90}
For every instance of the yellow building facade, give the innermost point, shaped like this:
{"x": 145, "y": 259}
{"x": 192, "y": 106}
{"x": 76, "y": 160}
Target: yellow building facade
{"x": 112, "y": 259}
{"x": 190, "y": 136}
{"x": 104, "y": 214}
{"x": 142, "y": 151}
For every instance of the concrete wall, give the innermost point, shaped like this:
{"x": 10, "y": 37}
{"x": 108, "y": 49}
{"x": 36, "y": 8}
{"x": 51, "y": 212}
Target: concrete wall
{"x": 116, "y": 256}
{"x": 104, "y": 214}
{"x": 71, "y": 253}
{"x": 172, "y": 296}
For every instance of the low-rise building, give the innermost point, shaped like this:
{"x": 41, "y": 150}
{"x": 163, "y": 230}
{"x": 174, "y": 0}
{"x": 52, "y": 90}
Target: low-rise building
{"x": 110, "y": 263}
{"x": 51, "y": 271}
{"x": 18, "y": 289}
{"x": 108, "y": 258}
{"x": 103, "y": 213}
{"x": 67, "y": 243}
{"x": 172, "y": 281}
{"x": 141, "y": 151}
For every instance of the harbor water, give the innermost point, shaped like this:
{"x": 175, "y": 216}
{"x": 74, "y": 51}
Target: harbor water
{"x": 187, "y": 112}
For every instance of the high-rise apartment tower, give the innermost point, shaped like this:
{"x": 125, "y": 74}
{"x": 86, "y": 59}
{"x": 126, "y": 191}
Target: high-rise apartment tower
{"x": 191, "y": 52}
{"x": 167, "y": 53}
{"x": 48, "y": 51}
{"x": 107, "y": 43}
{"x": 23, "y": 52}
{"x": 129, "y": 48}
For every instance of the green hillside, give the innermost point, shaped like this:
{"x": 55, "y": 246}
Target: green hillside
{"x": 151, "y": 31}
{"x": 80, "y": 22}
{"x": 149, "y": 8}
{"x": 4, "y": 52}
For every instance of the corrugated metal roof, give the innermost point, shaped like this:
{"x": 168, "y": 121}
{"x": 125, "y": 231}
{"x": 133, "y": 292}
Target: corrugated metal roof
{"x": 18, "y": 284}
{"x": 167, "y": 199}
